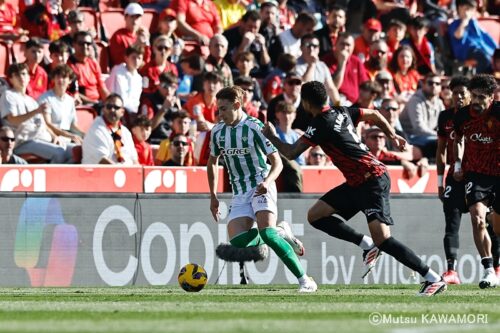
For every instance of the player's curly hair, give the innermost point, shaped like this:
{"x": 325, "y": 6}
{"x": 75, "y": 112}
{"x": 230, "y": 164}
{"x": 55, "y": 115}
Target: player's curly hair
{"x": 485, "y": 83}
{"x": 314, "y": 92}
{"x": 231, "y": 94}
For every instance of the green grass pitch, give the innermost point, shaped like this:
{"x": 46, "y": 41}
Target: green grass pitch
{"x": 275, "y": 308}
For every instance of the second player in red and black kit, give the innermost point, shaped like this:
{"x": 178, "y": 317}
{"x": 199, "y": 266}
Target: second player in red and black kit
{"x": 367, "y": 185}
{"x": 478, "y": 125}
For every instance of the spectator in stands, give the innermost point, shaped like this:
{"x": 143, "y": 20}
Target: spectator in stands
{"x": 141, "y": 130}
{"x": 215, "y": 61}
{"x": 189, "y": 67}
{"x": 8, "y": 20}
{"x": 246, "y": 37}
{"x": 395, "y": 34}
{"x": 404, "y": 72}
{"x": 230, "y": 11}
{"x": 108, "y": 141}
{"x": 273, "y": 83}
{"x": 390, "y": 109}
{"x": 376, "y": 140}
{"x": 468, "y": 40}
{"x": 61, "y": 113}
{"x": 91, "y": 86}
{"x": 129, "y": 35}
{"x": 318, "y": 157}
{"x": 335, "y": 24}
{"x": 290, "y": 179}
{"x": 369, "y": 91}
{"x": 288, "y": 41}
{"x": 385, "y": 80}
{"x": 420, "y": 115}
{"x": 244, "y": 64}
{"x": 161, "y": 106}
{"x": 347, "y": 69}
{"x": 180, "y": 126}
{"x": 198, "y": 20}
{"x": 269, "y": 27}
{"x": 167, "y": 25}
{"x": 378, "y": 58}
{"x": 44, "y": 19}
{"x": 395, "y": 9}
{"x": 203, "y": 107}
{"x": 287, "y": 15}
{"x": 250, "y": 107}
{"x": 7, "y": 143}
{"x": 76, "y": 23}
{"x": 38, "y": 76}
{"x": 423, "y": 49}
{"x": 26, "y": 117}
{"x": 125, "y": 81}
{"x": 162, "y": 48}
{"x": 372, "y": 29}
{"x": 179, "y": 149}
{"x": 312, "y": 69}
{"x": 59, "y": 55}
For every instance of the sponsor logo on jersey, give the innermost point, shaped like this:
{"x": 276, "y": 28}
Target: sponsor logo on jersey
{"x": 236, "y": 151}
{"x": 479, "y": 138}
{"x": 310, "y": 131}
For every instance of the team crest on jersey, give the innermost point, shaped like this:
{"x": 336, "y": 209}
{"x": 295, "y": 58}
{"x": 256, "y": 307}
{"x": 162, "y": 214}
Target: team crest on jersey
{"x": 245, "y": 139}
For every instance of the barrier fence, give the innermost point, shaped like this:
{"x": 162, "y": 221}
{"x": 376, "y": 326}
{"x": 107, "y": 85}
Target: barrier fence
{"x": 143, "y": 239}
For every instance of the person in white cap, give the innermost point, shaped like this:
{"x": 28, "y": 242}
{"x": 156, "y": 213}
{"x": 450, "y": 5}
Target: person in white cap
{"x": 132, "y": 34}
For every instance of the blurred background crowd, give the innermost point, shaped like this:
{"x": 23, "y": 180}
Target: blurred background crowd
{"x": 135, "y": 82}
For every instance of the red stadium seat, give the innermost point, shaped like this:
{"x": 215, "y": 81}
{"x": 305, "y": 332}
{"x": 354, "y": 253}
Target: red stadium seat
{"x": 90, "y": 18}
{"x": 4, "y": 59}
{"x": 150, "y": 20}
{"x": 112, "y": 20}
{"x": 103, "y": 56}
{"x": 85, "y": 116}
{"x": 104, "y": 5}
{"x": 492, "y": 26}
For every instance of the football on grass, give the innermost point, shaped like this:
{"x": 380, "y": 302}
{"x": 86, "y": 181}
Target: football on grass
{"x": 192, "y": 277}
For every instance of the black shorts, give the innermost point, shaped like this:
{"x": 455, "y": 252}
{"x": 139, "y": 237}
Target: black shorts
{"x": 454, "y": 195}
{"x": 479, "y": 187}
{"x": 371, "y": 197}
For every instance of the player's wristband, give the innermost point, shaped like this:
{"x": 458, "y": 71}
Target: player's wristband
{"x": 440, "y": 180}
{"x": 458, "y": 166}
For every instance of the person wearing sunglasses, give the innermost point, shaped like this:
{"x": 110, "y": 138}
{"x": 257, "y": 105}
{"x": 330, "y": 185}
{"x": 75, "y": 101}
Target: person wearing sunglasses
{"x": 91, "y": 87}
{"x": 7, "y": 143}
{"x": 420, "y": 115}
{"x": 159, "y": 63}
{"x": 311, "y": 68}
{"x": 179, "y": 148}
{"x": 108, "y": 141}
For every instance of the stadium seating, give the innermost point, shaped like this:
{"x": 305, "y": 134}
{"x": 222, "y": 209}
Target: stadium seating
{"x": 91, "y": 19}
{"x": 4, "y": 59}
{"x": 112, "y": 20}
{"x": 492, "y": 26}
{"x": 103, "y": 56}
{"x": 85, "y": 116}
{"x": 150, "y": 20}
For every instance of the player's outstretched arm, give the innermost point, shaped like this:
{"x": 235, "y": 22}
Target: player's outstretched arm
{"x": 290, "y": 151}
{"x": 213, "y": 175}
{"x": 374, "y": 117}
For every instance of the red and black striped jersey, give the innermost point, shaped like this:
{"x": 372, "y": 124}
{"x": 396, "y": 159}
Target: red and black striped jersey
{"x": 481, "y": 132}
{"x": 334, "y": 130}
{"x": 446, "y": 131}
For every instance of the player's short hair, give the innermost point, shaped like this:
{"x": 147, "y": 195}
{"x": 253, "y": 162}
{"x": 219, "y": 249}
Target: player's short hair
{"x": 485, "y": 83}
{"x": 142, "y": 121}
{"x": 314, "y": 92}
{"x": 15, "y": 69}
{"x": 231, "y": 94}
{"x": 459, "y": 81}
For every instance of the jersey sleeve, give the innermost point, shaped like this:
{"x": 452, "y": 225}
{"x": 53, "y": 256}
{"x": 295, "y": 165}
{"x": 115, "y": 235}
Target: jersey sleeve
{"x": 355, "y": 114}
{"x": 214, "y": 148}
{"x": 261, "y": 141}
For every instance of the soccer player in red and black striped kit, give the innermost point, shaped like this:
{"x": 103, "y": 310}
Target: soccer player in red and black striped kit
{"x": 367, "y": 183}
{"x": 478, "y": 127}
{"x": 452, "y": 192}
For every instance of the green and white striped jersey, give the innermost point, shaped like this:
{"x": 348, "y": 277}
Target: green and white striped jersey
{"x": 245, "y": 151}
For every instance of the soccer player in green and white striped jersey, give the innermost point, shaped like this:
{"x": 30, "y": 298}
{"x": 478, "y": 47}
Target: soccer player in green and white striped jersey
{"x": 239, "y": 139}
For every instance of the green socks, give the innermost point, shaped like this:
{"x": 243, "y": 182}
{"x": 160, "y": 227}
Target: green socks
{"x": 247, "y": 238}
{"x": 283, "y": 250}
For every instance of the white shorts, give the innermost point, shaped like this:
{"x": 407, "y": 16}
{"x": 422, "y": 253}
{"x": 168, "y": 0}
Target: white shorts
{"x": 246, "y": 204}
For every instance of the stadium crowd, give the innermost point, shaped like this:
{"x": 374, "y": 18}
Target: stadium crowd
{"x": 149, "y": 73}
